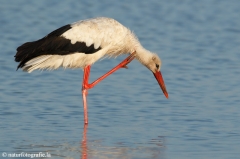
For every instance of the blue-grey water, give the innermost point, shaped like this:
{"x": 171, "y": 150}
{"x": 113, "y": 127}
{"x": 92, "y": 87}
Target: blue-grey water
{"x": 129, "y": 117}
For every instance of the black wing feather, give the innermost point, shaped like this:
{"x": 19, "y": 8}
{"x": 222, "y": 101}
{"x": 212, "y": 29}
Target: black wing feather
{"x": 52, "y": 44}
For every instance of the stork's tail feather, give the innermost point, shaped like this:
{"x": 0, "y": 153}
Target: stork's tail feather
{"x": 30, "y": 50}
{"x": 25, "y": 53}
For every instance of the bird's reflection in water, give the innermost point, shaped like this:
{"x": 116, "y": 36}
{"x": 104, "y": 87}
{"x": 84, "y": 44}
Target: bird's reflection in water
{"x": 153, "y": 148}
{"x": 85, "y": 148}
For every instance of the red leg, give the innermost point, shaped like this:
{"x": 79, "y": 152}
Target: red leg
{"x": 85, "y": 91}
{"x": 123, "y": 64}
{"x": 86, "y": 86}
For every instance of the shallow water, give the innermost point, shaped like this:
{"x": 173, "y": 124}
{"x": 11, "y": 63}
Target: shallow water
{"x": 129, "y": 117}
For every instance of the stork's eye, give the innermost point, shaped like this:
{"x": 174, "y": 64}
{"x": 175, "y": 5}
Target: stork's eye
{"x": 157, "y": 66}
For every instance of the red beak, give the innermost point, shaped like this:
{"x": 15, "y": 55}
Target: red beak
{"x": 159, "y": 78}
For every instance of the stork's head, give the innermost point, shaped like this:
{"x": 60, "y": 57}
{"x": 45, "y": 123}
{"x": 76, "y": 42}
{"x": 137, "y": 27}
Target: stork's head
{"x": 153, "y": 63}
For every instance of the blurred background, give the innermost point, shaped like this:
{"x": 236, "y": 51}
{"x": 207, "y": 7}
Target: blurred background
{"x": 129, "y": 117}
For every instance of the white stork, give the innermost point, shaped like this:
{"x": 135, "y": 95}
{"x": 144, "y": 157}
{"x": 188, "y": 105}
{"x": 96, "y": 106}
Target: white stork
{"x": 80, "y": 44}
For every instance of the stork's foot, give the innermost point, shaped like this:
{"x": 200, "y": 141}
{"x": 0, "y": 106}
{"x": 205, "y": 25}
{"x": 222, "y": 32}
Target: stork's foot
{"x": 124, "y": 63}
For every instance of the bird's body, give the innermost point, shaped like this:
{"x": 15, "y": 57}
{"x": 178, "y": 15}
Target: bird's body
{"x": 77, "y": 45}
{"x": 80, "y": 44}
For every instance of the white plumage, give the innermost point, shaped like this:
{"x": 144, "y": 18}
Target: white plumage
{"x": 114, "y": 39}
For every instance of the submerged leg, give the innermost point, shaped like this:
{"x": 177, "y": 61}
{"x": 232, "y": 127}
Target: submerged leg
{"x": 86, "y": 86}
{"x": 84, "y": 146}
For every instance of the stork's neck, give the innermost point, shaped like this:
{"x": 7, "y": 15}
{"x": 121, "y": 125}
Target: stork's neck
{"x": 143, "y": 55}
